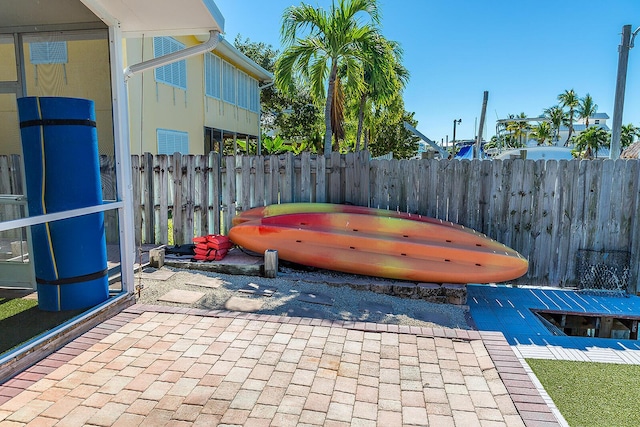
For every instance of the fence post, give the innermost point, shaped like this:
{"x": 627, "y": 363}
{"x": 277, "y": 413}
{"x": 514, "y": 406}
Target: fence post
{"x": 200, "y": 195}
{"x": 321, "y": 179}
{"x": 108, "y": 182}
{"x": 137, "y": 198}
{"x": 161, "y": 172}
{"x": 305, "y": 177}
{"x": 286, "y": 190}
{"x": 213, "y": 208}
{"x": 188, "y": 184}
{"x": 149, "y": 225}
{"x": 176, "y": 211}
{"x": 228, "y": 193}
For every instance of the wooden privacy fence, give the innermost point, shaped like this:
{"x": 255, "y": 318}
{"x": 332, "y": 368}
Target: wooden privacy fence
{"x": 549, "y": 211}
{"x": 210, "y": 190}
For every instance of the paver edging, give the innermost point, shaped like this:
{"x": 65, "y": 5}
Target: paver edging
{"x": 517, "y": 381}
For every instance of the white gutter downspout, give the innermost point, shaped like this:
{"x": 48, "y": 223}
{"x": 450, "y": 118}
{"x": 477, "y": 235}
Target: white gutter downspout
{"x": 260, "y": 118}
{"x": 214, "y": 38}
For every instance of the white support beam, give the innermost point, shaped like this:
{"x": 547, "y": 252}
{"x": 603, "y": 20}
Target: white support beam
{"x": 41, "y": 219}
{"x": 443, "y": 153}
{"x": 123, "y": 160}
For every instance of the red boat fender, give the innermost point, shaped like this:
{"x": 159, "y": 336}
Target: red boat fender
{"x": 210, "y": 255}
{"x": 217, "y": 241}
{"x": 201, "y": 251}
{"x": 212, "y": 247}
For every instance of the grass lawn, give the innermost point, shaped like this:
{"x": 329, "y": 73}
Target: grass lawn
{"x": 591, "y": 394}
{"x": 21, "y": 320}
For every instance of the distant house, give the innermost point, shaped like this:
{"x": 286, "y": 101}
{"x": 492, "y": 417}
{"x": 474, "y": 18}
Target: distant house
{"x": 579, "y": 126}
{"x": 423, "y": 148}
{"x": 192, "y": 105}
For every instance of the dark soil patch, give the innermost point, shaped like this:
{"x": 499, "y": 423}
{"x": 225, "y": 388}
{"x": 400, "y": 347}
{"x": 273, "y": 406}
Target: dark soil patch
{"x": 21, "y": 320}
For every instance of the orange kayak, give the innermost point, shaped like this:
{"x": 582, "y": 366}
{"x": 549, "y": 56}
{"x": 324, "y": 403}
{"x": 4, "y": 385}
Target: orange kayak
{"x": 380, "y": 246}
{"x": 290, "y": 208}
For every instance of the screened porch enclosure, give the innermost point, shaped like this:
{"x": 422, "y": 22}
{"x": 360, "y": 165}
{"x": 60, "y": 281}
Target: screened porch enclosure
{"x": 74, "y": 49}
{"x": 70, "y": 64}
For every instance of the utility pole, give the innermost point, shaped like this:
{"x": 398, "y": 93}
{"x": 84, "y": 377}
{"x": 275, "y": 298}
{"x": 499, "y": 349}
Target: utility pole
{"x": 476, "y": 154}
{"x": 455, "y": 122}
{"x": 621, "y": 81}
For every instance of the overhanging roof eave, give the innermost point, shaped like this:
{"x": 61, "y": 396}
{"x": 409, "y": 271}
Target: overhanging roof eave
{"x": 159, "y": 17}
{"x": 231, "y": 52}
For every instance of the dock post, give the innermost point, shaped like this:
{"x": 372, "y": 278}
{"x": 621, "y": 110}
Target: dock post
{"x": 156, "y": 257}
{"x": 270, "y": 263}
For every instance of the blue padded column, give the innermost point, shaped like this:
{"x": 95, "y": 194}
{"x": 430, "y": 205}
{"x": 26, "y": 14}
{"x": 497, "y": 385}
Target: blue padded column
{"x": 62, "y": 169}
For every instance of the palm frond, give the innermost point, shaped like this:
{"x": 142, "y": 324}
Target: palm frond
{"x": 318, "y": 73}
{"x": 351, "y": 8}
{"x": 303, "y": 18}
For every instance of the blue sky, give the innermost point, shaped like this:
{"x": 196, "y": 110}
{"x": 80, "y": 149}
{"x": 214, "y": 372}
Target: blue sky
{"x": 523, "y": 53}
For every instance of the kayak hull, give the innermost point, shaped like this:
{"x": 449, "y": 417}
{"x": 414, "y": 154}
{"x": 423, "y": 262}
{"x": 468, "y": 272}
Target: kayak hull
{"x": 389, "y": 247}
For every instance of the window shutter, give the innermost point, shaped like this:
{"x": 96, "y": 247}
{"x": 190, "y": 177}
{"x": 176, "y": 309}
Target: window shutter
{"x": 254, "y": 95}
{"x": 208, "y": 74}
{"x": 174, "y": 74}
{"x": 243, "y": 95}
{"x": 212, "y": 75}
{"x": 48, "y": 53}
{"x": 229, "y": 83}
{"x": 171, "y": 141}
{"x": 217, "y": 76}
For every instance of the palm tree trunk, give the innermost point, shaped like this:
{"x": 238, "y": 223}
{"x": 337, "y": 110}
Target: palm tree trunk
{"x": 327, "y": 108}
{"x": 566, "y": 143}
{"x": 363, "y": 101}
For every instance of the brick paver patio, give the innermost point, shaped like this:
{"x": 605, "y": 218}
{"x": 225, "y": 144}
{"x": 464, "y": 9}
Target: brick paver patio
{"x": 155, "y": 366}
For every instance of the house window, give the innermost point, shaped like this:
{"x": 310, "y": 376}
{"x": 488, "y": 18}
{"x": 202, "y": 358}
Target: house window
{"x": 597, "y": 122}
{"x": 243, "y": 90}
{"x": 254, "y": 95}
{"x": 212, "y": 74}
{"x": 228, "y": 83}
{"x": 48, "y": 53}
{"x": 174, "y": 74}
{"x": 172, "y": 141}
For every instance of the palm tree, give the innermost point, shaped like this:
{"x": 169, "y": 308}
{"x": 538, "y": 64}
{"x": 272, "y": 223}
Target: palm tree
{"x": 627, "y": 134}
{"x": 590, "y": 140}
{"x": 519, "y": 128}
{"x": 558, "y": 117}
{"x": 542, "y": 132}
{"x": 384, "y": 76}
{"x": 569, "y": 99}
{"x": 586, "y": 109}
{"x": 335, "y": 38}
